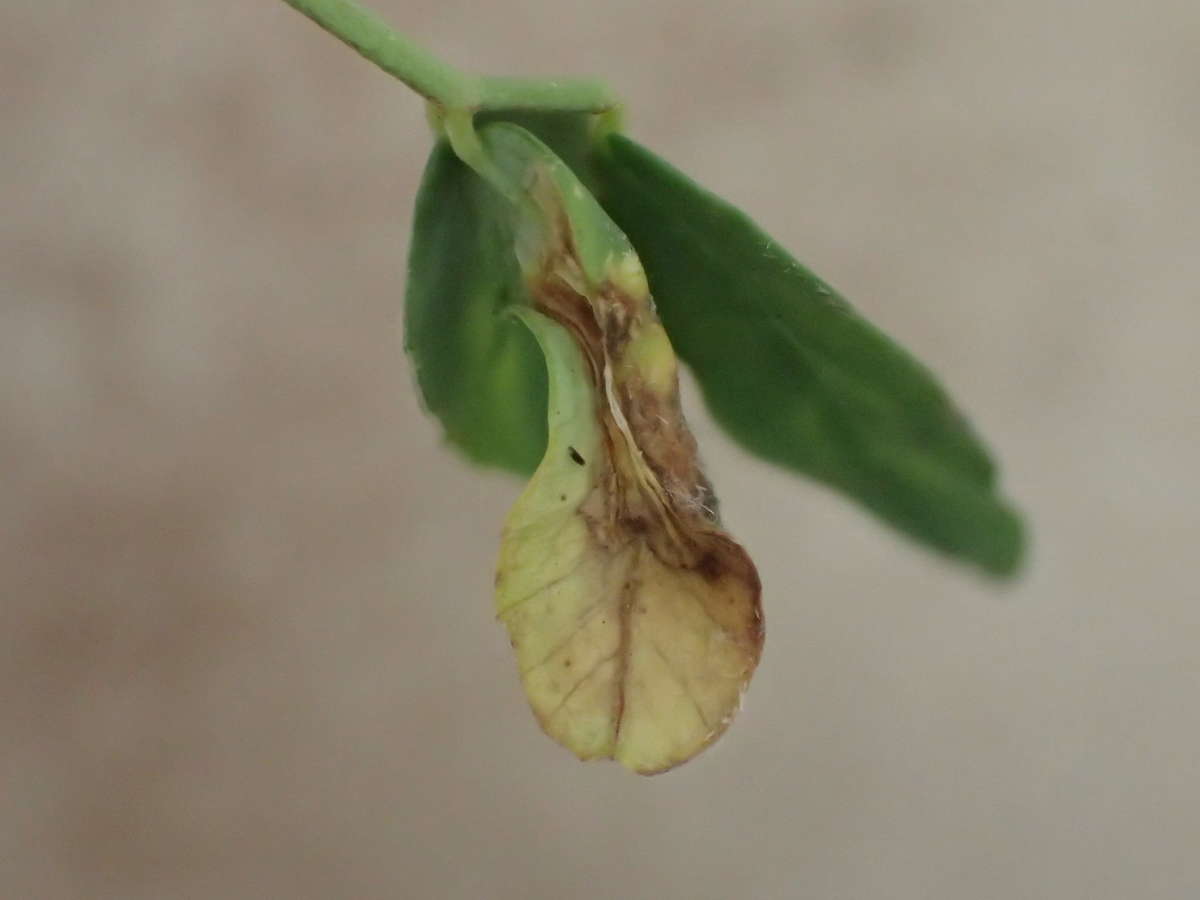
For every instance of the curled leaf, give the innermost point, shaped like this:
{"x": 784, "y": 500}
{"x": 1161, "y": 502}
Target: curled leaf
{"x": 635, "y": 619}
{"x": 478, "y": 369}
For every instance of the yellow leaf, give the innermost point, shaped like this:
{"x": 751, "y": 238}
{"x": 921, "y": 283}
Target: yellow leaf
{"x": 635, "y": 619}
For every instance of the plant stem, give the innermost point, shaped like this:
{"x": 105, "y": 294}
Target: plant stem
{"x": 441, "y": 83}
{"x": 458, "y": 126}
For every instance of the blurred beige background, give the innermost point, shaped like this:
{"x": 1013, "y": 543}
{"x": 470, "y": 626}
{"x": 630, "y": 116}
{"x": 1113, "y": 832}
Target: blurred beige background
{"x": 246, "y": 640}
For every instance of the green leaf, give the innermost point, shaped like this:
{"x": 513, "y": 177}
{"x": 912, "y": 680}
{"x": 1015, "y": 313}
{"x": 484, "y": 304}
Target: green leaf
{"x": 795, "y": 375}
{"x": 479, "y": 370}
{"x": 567, "y": 135}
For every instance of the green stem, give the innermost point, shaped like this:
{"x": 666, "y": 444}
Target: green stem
{"x": 458, "y": 125}
{"x": 440, "y": 83}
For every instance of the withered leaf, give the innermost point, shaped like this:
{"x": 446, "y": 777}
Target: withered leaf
{"x": 636, "y": 620}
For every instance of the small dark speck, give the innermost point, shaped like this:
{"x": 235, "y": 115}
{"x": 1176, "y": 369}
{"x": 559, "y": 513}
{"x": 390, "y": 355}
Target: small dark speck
{"x": 575, "y": 456}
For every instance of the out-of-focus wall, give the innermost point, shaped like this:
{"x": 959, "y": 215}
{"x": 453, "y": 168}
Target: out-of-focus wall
{"x": 246, "y": 639}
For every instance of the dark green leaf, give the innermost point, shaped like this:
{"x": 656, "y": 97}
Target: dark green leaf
{"x": 480, "y": 371}
{"x": 795, "y": 375}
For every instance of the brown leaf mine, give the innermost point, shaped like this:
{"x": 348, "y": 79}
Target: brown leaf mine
{"x": 635, "y": 619}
